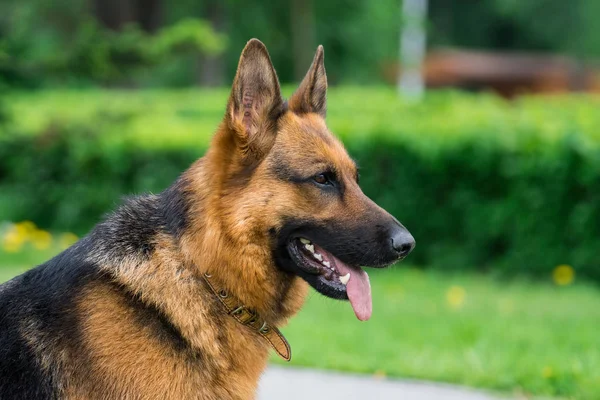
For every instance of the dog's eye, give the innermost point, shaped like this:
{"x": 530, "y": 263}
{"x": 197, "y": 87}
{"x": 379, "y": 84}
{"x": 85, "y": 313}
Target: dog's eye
{"x": 322, "y": 179}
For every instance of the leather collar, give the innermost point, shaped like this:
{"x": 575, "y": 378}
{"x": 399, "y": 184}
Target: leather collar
{"x": 251, "y": 319}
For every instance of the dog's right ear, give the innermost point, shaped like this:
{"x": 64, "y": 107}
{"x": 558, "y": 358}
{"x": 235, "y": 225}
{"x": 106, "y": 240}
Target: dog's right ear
{"x": 255, "y": 102}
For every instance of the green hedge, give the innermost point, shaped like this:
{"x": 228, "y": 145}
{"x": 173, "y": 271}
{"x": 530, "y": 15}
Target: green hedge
{"x": 480, "y": 182}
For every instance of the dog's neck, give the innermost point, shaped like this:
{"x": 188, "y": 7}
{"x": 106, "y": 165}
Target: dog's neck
{"x": 239, "y": 260}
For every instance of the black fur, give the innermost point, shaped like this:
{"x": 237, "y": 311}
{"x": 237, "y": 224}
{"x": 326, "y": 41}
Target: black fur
{"x": 37, "y": 308}
{"x": 175, "y": 206}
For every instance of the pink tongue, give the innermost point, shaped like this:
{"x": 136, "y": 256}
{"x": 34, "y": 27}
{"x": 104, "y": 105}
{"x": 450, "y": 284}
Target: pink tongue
{"x": 358, "y": 287}
{"x": 359, "y": 290}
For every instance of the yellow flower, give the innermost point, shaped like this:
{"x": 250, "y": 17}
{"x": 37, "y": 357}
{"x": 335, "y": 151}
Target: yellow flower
{"x": 12, "y": 242}
{"x": 379, "y": 374}
{"x": 456, "y": 296}
{"x": 25, "y": 228}
{"x": 67, "y": 239}
{"x": 563, "y": 275}
{"x": 41, "y": 239}
{"x": 547, "y": 372}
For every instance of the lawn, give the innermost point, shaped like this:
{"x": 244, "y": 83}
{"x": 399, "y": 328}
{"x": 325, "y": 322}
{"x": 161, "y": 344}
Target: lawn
{"x": 517, "y": 337}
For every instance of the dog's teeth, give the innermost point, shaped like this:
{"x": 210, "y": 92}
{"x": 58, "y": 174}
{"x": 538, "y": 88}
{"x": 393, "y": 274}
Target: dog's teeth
{"x": 318, "y": 256}
{"x": 329, "y": 275}
{"x": 327, "y": 264}
{"x": 305, "y": 241}
{"x": 310, "y": 247}
{"x": 344, "y": 279}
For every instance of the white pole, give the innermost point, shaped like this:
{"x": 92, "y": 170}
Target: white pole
{"x": 413, "y": 42}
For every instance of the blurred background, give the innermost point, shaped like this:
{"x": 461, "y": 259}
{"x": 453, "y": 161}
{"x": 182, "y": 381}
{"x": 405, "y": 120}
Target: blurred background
{"x": 475, "y": 122}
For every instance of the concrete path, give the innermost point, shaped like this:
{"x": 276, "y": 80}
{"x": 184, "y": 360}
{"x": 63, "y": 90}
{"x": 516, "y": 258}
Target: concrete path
{"x": 296, "y": 384}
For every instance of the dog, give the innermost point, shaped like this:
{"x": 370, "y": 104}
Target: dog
{"x": 180, "y": 295}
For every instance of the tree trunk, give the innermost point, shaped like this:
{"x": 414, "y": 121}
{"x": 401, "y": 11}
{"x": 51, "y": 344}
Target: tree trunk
{"x": 149, "y": 14}
{"x": 303, "y": 35}
{"x": 413, "y": 42}
{"x": 115, "y": 14}
{"x": 211, "y": 69}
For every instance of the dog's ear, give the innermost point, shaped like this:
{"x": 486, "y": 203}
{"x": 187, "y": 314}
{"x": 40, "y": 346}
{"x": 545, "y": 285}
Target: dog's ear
{"x": 255, "y": 102}
{"x": 311, "y": 95}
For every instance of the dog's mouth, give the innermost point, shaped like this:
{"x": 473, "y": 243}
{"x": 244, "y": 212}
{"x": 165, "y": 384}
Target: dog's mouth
{"x": 331, "y": 276}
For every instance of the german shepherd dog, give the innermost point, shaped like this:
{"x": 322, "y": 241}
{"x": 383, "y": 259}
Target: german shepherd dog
{"x": 180, "y": 295}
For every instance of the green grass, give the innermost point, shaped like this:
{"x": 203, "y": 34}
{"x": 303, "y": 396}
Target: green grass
{"x": 12, "y": 264}
{"x": 519, "y": 337}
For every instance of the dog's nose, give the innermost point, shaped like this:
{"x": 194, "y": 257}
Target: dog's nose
{"x": 402, "y": 241}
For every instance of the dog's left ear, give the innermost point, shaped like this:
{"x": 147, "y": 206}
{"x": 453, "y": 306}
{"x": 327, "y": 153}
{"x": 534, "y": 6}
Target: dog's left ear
{"x": 311, "y": 95}
{"x": 255, "y": 102}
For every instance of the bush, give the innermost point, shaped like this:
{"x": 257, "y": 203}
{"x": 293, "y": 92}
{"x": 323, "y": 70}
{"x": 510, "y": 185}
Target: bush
{"x": 44, "y": 43}
{"x": 481, "y": 183}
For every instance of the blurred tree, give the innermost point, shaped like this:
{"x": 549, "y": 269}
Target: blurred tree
{"x": 116, "y": 14}
{"x": 302, "y": 23}
{"x": 93, "y": 41}
{"x": 545, "y": 25}
{"x": 572, "y": 27}
{"x": 211, "y": 70}
{"x": 63, "y": 41}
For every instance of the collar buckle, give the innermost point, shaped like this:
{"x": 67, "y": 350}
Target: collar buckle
{"x": 238, "y": 311}
{"x": 251, "y": 319}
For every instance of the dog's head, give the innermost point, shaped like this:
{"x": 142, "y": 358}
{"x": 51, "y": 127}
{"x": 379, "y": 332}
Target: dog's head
{"x": 290, "y": 182}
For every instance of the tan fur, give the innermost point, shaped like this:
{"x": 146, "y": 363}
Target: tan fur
{"x": 128, "y": 362}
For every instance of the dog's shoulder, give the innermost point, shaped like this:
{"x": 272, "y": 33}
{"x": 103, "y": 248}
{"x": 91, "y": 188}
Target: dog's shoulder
{"x": 36, "y": 320}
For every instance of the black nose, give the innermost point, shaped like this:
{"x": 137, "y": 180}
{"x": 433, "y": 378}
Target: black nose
{"x": 402, "y": 241}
